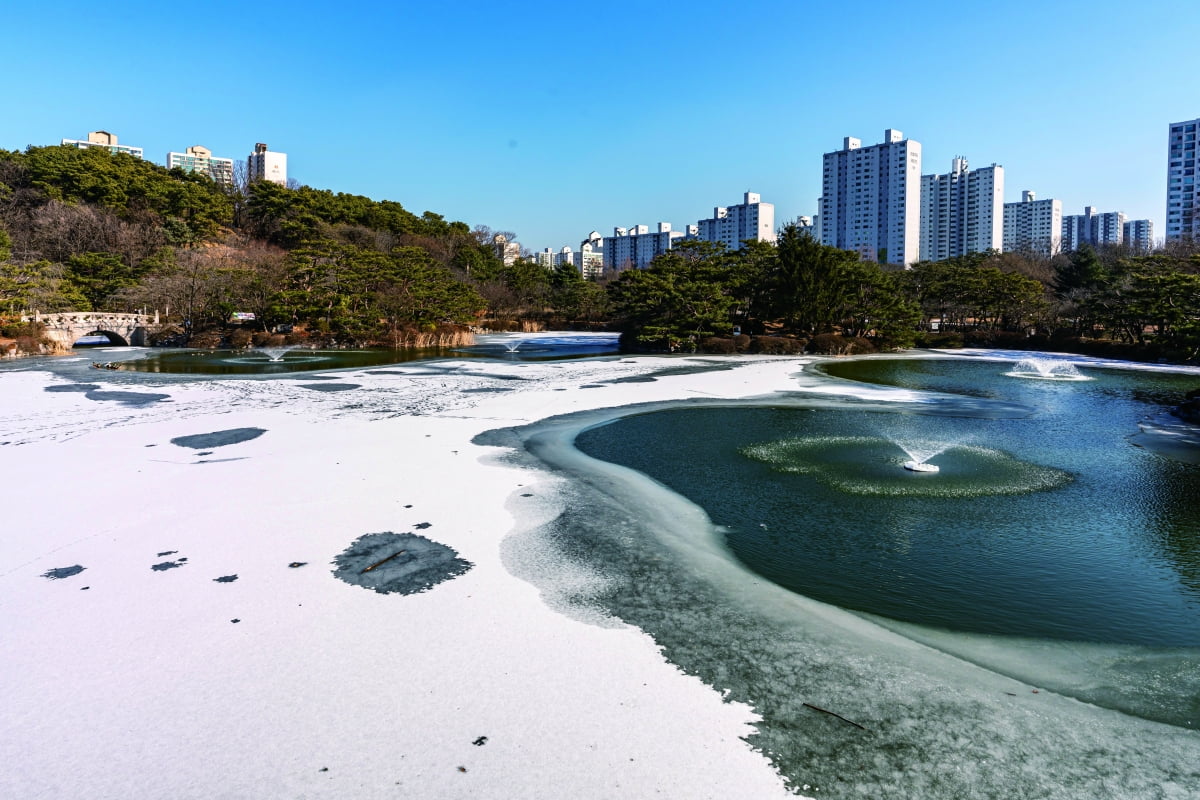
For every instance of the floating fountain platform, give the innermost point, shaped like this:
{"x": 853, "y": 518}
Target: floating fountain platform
{"x": 920, "y": 466}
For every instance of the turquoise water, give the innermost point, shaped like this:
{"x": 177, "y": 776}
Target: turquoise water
{"x": 1051, "y": 526}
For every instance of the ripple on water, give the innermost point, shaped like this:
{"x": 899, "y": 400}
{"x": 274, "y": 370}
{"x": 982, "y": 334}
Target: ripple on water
{"x": 867, "y": 465}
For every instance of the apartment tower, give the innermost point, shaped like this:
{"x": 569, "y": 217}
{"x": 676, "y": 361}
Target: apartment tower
{"x": 752, "y": 219}
{"x": 962, "y": 211}
{"x": 201, "y": 160}
{"x": 1182, "y": 196}
{"x": 871, "y": 199}
{"x": 1092, "y": 228}
{"x": 266, "y": 165}
{"x": 1033, "y": 225}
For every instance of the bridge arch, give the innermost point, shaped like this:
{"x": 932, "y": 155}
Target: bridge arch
{"x": 65, "y": 329}
{"x": 114, "y": 339}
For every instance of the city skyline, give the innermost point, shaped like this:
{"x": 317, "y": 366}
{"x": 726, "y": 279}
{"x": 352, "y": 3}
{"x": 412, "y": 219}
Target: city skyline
{"x": 459, "y": 118}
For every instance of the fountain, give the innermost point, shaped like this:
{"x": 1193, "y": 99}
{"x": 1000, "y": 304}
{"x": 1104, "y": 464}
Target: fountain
{"x": 276, "y": 353}
{"x": 919, "y": 454}
{"x": 512, "y": 347}
{"x": 1046, "y": 369}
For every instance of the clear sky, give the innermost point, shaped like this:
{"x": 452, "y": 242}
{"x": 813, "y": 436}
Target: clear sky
{"x": 556, "y": 119}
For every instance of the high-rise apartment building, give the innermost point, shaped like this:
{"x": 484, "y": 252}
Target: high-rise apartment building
{"x": 1139, "y": 235}
{"x": 201, "y": 160}
{"x": 871, "y": 199}
{"x": 636, "y": 247}
{"x": 1033, "y": 225}
{"x": 266, "y": 165}
{"x": 590, "y": 258}
{"x": 752, "y": 219}
{"x": 962, "y": 211}
{"x": 545, "y": 258}
{"x": 104, "y": 140}
{"x": 508, "y": 252}
{"x": 1092, "y": 228}
{"x": 1183, "y": 195}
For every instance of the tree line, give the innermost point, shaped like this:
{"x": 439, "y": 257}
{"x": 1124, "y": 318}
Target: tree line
{"x": 1107, "y": 301}
{"x": 89, "y": 230}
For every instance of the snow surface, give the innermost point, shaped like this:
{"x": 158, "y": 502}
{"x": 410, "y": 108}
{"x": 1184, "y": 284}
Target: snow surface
{"x": 143, "y": 685}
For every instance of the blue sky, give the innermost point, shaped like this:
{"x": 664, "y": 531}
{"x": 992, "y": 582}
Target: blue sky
{"x": 555, "y": 119}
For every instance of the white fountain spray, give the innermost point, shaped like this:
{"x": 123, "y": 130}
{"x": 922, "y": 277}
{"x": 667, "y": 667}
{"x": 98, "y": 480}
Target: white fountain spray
{"x": 1046, "y": 369}
{"x": 277, "y": 353}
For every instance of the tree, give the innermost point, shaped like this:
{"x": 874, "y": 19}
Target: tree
{"x": 684, "y": 295}
{"x": 811, "y": 287}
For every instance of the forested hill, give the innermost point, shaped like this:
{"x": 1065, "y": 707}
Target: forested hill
{"x": 89, "y": 230}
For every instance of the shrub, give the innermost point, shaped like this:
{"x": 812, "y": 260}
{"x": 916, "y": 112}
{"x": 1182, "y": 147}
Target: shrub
{"x": 16, "y": 330}
{"x": 241, "y": 338}
{"x": 776, "y": 345}
{"x": 741, "y": 342}
{"x": 717, "y": 344}
{"x": 32, "y": 345}
{"x": 944, "y": 340}
{"x": 834, "y": 344}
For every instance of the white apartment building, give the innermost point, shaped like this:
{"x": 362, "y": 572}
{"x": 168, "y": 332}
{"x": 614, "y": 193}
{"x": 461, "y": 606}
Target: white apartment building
{"x": 962, "y": 211}
{"x": 752, "y": 219}
{"x": 1092, "y": 228}
{"x": 105, "y": 140}
{"x": 636, "y": 247}
{"x": 545, "y": 258}
{"x": 266, "y": 165}
{"x": 1033, "y": 225}
{"x": 1139, "y": 235}
{"x": 1183, "y": 196}
{"x": 564, "y": 256}
{"x": 201, "y": 160}
{"x": 871, "y": 199}
{"x": 506, "y": 251}
{"x": 590, "y": 258}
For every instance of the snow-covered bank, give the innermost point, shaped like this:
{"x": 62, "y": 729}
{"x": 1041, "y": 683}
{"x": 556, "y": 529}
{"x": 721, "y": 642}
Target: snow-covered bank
{"x": 143, "y": 683}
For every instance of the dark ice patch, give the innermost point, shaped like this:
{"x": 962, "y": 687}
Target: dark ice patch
{"x": 400, "y": 563}
{"x": 58, "y": 573}
{"x": 330, "y": 387}
{"x": 166, "y": 565}
{"x": 423, "y": 525}
{"x": 592, "y": 386}
{"x": 73, "y": 387}
{"x": 225, "y": 579}
{"x": 166, "y": 553}
{"x": 204, "y": 441}
{"x": 127, "y": 398}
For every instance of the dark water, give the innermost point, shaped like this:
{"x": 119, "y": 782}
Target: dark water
{"x": 260, "y": 362}
{"x": 1052, "y": 526}
{"x": 230, "y": 362}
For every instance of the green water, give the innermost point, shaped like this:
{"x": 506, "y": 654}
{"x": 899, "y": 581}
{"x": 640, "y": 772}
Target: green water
{"x": 1051, "y": 526}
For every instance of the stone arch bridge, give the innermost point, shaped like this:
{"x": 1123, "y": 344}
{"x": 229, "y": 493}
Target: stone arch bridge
{"x": 64, "y": 330}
